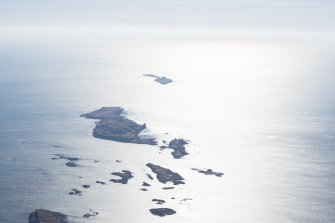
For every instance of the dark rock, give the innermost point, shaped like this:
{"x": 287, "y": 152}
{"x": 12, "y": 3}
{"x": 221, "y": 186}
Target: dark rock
{"x": 71, "y": 164}
{"x": 178, "y": 146}
{"x": 86, "y": 186}
{"x": 91, "y": 214}
{"x": 100, "y": 182}
{"x": 75, "y": 192}
{"x": 162, "y": 211}
{"x": 114, "y": 126}
{"x": 165, "y": 175}
{"x": 168, "y": 188}
{"x": 125, "y": 176}
{"x": 149, "y": 176}
{"x": 161, "y": 80}
{"x": 145, "y": 184}
{"x": 144, "y": 189}
{"x": 158, "y": 201}
{"x": 118, "y": 161}
{"x": 209, "y": 172}
{"x": 46, "y": 216}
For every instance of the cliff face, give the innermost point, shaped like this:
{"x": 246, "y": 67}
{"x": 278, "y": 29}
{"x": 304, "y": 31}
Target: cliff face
{"x": 45, "y": 216}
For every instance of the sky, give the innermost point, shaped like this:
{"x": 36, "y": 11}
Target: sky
{"x": 260, "y": 15}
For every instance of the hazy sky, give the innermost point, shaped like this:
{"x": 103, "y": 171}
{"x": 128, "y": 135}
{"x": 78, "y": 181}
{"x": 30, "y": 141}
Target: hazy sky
{"x": 286, "y": 15}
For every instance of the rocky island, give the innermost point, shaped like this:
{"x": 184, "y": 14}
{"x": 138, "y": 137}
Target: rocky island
{"x": 178, "y": 146}
{"x": 114, "y": 126}
{"x": 125, "y": 175}
{"x": 162, "y": 80}
{"x": 165, "y": 175}
{"x": 45, "y": 216}
{"x": 162, "y": 211}
{"x": 208, "y": 172}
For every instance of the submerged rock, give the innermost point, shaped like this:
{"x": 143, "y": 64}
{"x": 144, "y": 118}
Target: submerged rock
{"x": 185, "y": 200}
{"x": 69, "y": 158}
{"x": 114, "y": 126}
{"x": 209, "y": 172}
{"x": 162, "y": 211}
{"x": 125, "y": 176}
{"x": 46, "y": 216}
{"x": 165, "y": 175}
{"x": 71, "y": 164}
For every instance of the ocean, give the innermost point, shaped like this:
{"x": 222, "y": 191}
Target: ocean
{"x": 260, "y": 109}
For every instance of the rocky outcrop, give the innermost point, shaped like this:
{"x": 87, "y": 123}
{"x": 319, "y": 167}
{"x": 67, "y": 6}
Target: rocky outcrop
{"x": 162, "y": 211}
{"x": 46, "y": 216}
{"x": 125, "y": 175}
{"x": 114, "y": 126}
{"x": 178, "y": 146}
{"x": 165, "y": 175}
{"x": 208, "y": 172}
{"x": 158, "y": 201}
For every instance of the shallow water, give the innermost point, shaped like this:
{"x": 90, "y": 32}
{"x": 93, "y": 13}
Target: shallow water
{"x": 262, "y": 113}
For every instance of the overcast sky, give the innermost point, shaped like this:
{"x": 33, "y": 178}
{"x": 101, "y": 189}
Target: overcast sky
{"x": 285, "y": 15}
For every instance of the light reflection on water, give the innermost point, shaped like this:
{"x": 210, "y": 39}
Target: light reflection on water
{"x": 258, "y": 112}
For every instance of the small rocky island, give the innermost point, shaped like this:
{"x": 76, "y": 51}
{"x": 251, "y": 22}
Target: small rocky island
{"x": 125, "y": 175}
{"x": 46, "y": 216}
{"x": 208, "y": 172}
{"x": 162, "y": 212}
{"x": 165, "y": 175}
{"x": 114, "y": 126}
{"x": 162, "y": 80}
{"x": 178, "y": 146}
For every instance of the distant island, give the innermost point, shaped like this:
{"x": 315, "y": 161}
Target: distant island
{"x": 114, "y": 126}
{"x": 46, "y": 216}
{"x": 162, "y": 80}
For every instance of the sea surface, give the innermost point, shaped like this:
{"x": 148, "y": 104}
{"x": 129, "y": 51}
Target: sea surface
{"x": 259, "y": 108}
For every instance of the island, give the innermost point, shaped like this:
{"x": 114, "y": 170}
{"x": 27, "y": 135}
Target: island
{"x": 178, "y": 146}
{"x": 162, "y": 211}
{"x": 46, "y": 216}
{"x": 113, "y": 125}
{"x": 208, "y": 172}
{"x": 165, "y": 175}
{"x": 162, "y": 80}
{"x": 125, "y": 175}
